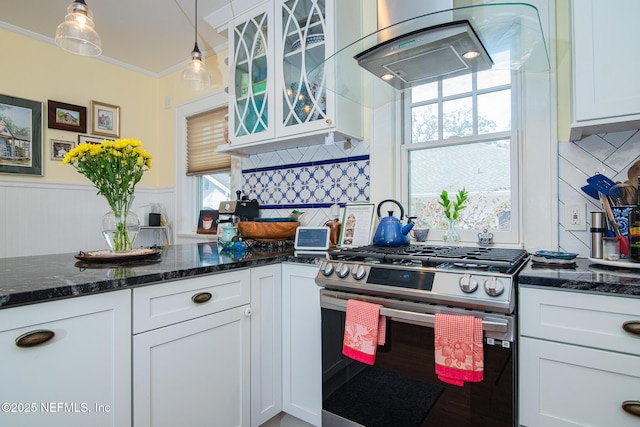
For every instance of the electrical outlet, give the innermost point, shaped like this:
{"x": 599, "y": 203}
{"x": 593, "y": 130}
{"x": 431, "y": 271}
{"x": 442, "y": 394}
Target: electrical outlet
{"x": 575, "y": 216}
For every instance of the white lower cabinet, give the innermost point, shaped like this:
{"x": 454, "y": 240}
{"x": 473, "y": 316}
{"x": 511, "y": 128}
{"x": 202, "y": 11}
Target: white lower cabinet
{"x": 578, "y": 366}
{"x": 195, "y": 372}
{"x": 302, "y": 346}
{"x": 81, "y": 376}
{"x": 266, "y": 343}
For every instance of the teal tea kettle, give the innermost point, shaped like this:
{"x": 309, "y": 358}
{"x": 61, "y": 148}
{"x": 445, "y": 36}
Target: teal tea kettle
{"x": 390, "y": 231}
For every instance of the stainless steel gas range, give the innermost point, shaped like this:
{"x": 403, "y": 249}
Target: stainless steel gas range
{"x": 412, "y": 283}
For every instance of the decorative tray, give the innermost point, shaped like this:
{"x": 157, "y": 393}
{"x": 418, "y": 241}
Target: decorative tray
{"x": 108, "y": 256}
{"x": 621, "y": 263}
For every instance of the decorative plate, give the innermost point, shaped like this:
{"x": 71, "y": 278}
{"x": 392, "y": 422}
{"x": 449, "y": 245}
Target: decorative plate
{"x": 308, "y": 41}
{"x": 108, "y": 256}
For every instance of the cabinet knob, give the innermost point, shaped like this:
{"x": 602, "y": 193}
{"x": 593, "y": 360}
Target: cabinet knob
{"x": 248, "y": 311}
{"x": 328, "y": 121}
{"x": 632, "y": 326}
{"x": 632, "y": 407}
{"x": 201, "y": 297}
{"x": 34, "y": 338}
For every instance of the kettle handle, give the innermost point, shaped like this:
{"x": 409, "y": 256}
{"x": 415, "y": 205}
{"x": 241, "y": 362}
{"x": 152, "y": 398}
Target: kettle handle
{"x": 392, "y": 201}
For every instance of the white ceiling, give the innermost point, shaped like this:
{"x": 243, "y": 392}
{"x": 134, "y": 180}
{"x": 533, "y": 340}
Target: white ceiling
{"x": 151, "y": 36}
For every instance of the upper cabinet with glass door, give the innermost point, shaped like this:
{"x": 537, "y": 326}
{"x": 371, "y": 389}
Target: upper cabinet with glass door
{"x": 299, "y": 111}
{"x": 250, "y": 77}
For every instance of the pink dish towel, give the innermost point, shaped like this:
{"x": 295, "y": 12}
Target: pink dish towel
{"x": 364, "y": 330}
{"x": 458, "y": 349}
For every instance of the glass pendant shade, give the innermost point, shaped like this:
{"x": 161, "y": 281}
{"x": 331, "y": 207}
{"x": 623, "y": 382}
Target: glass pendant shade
{"x": 77, "y": 33}
{"x": 196, "y": 76}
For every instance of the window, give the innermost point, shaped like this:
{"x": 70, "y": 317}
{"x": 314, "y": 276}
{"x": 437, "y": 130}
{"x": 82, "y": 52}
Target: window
{"x": 460, "y": 134}
{"x": 200, "y": 128}
{"x": 205, "y": 132}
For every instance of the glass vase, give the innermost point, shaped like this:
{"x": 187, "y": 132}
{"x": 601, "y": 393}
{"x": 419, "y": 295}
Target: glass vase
{"x": 120, "y": 230}
{"x": 451, "y": 236}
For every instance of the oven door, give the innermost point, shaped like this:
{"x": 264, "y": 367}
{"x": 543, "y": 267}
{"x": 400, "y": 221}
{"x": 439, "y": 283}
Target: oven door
{"x": 402, "y": 388}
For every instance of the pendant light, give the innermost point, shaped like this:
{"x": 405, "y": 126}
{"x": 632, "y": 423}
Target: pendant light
{"x": 196, "y": 76}
{"x": 77, "y": 33}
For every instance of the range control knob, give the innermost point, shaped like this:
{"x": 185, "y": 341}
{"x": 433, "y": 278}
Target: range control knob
{"x": 342, "y": 270}
{"x": 358, "y": 272}
{"x": 326, "y": 268}
{"x": 468, "y": 284}
{"x": 493, "y": 286}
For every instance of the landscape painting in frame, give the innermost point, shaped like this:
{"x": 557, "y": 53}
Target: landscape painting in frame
{"x": 20, "y": 136}
{"x": 66, "y": 116}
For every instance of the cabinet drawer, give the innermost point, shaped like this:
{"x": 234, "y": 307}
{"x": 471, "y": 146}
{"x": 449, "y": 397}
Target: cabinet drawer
{"x": 164, "y": 304}
{"x": 567, "y": 385}
{"x": 583, "y": 319}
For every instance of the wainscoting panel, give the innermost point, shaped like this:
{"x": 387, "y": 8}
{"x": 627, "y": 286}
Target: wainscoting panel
{"x": 610, "y": 154}
{"x": 37, "y": 219}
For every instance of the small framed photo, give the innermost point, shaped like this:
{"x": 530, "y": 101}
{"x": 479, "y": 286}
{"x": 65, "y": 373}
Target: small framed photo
{"x": 105, "y": 119}
{"x": 20, "y": 136}
{"x": 357, "y": 225}
{"x": 66, "y": 117}
{"x": 91, "y": 139}
{"x": 208, "y": 222}
{"x": 60, "y": 148}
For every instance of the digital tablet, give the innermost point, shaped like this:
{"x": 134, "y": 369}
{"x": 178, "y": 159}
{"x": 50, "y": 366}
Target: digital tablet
{"x": 312, "y": 238}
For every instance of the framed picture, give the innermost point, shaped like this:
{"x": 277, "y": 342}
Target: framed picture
{"x": 66, "y": 117}
{"x": 208, "y": 222}
{"x": 20, "y": 136}
{"x": 59, "y": 148}
{"x": 357, "y": 223}
{"x": 91, "y": 139}
{"x": 106, "y": 119}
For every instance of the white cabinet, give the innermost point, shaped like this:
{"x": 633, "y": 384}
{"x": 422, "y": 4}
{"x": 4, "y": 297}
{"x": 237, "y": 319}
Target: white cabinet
{"x": 191, "y": 362}
{"x": 266, "y": 343}
{"x": 276, "y": 99}
{"x": 302, "y": 346}
{"x": 577, "y": 364}
{"x": 81, "y": 376}
{"x": 606, "y": 97}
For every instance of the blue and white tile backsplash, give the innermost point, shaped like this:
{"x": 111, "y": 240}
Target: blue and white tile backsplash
{"x": 310, "y": 179}
{"x": 610, "y": 154}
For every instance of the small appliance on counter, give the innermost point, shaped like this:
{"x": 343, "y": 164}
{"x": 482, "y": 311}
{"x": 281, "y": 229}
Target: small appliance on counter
{"x": 238, "y": 210}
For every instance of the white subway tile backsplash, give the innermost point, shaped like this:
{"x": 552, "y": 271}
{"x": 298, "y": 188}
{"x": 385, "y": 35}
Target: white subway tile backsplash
{"x": 610, "y": 154}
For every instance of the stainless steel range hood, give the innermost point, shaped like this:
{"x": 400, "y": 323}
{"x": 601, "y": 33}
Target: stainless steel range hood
{"x": 431, "y": 46}
{"x": 422, "y": 56}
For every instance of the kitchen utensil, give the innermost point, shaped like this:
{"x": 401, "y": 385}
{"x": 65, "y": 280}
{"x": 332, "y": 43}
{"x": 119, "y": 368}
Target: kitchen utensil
{"x": 603, "y": 184}
{"x": 633, "y": 173}
{"x": 597, "y": 233}
{"x": 591, "y": 192}
{"x": 624, "y": 243}
{"x": 390, "y": 231}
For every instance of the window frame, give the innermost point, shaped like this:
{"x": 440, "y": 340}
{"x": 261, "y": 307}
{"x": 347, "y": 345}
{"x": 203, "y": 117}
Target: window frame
{"x": 186, "y": 186}
{"x": 469, "y": 236}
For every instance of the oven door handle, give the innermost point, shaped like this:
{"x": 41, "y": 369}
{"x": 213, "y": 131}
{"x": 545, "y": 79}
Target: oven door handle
{"x": 422, "y": 319}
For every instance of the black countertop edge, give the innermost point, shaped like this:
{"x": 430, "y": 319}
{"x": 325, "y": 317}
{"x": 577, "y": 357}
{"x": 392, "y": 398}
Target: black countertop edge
{"x": 586, "y": 277}
{"x": 29, "y": 280}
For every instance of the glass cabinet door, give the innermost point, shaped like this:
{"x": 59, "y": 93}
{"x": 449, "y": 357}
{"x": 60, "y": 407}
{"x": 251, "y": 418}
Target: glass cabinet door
{"x": 251, "y": 53}
{"x": 303, "y": 49}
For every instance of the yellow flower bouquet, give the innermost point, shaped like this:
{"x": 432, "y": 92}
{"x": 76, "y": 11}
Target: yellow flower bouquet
{"x": 114, "y": 168}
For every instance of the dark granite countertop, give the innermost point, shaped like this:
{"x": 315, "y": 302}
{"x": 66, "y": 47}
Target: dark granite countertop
{"x": 32, "y": 279}
{"x": 586, "y": 277}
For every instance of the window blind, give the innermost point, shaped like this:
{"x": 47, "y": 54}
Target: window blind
{"x": 205, "y": 132}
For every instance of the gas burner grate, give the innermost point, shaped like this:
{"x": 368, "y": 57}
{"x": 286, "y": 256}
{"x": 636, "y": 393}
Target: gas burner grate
{"x": 499, "y": 259}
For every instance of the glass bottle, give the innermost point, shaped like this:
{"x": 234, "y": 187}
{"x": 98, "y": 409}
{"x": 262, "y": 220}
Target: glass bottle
{"x": 634, "y": 230}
